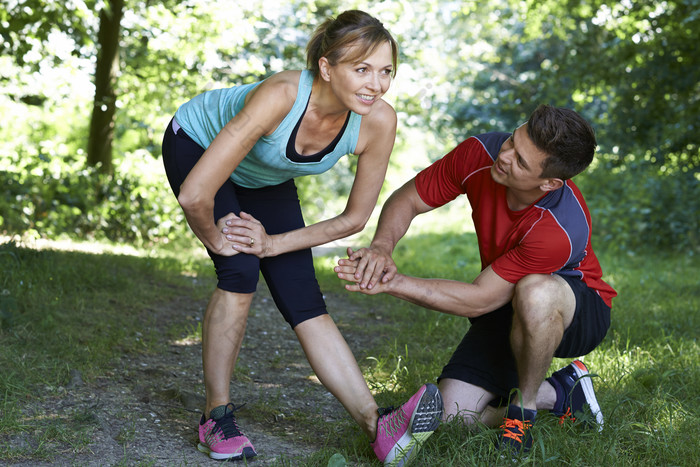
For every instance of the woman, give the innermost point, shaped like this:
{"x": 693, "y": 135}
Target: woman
{"x": 231, "y": 156}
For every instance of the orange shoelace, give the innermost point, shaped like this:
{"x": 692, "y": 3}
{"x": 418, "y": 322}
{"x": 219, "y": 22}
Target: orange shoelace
{"x": 519, "y": 425}
{"x": 567, "y": 416}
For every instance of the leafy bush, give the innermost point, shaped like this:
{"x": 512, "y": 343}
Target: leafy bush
{"x": 50, "y": 196}
{"x": 636, "y": 207}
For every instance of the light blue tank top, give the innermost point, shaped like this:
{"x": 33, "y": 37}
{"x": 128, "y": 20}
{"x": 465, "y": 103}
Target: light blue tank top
{"x": 266, "y": 164}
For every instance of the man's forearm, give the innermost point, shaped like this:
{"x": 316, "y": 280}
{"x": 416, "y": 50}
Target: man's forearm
{"x": 444, "y": 295}
{"x": 390, "y": 229}
{"x": 396, "y": 217}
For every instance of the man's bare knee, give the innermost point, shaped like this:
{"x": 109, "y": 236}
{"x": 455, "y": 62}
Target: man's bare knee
{"x": 536, "y": 289}
{"x": 540, "y": 297}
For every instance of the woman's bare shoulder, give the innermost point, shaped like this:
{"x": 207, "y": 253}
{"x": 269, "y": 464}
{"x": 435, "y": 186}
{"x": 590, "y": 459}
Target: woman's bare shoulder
{"x": 382, "y": 117}
{"x": 280, "y": 86}
{"x": 378, "y": 128}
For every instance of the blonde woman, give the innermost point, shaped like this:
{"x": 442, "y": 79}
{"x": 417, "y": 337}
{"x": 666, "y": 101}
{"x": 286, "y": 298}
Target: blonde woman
{"x": 231, "y": 156}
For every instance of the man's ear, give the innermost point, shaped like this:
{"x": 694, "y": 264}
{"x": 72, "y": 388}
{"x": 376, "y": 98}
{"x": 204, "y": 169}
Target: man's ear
{"x": 551, "y": 184}
{"x": 324, "y": 68}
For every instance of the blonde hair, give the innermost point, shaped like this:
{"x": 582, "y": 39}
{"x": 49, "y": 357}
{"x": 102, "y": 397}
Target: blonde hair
{"x": 335, "y": 36}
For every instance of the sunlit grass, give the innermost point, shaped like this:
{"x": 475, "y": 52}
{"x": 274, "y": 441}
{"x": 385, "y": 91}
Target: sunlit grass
{"x": 193, "y": 335}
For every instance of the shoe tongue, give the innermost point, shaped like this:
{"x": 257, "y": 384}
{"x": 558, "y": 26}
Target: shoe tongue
{"x": 218, "y": 412}
{"x": 517, "y": 413}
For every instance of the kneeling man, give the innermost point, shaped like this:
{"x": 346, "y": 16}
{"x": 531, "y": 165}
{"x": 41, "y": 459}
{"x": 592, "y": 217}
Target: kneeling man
{"x": 540, "y": 293}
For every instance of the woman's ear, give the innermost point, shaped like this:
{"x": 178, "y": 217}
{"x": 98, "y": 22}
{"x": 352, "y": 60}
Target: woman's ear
{"x": 324, "y": 68}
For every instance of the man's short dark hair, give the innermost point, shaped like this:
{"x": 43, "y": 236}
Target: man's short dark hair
{"x": 566, "y": 137}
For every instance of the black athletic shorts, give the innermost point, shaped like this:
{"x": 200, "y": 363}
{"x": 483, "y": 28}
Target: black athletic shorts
{"x": 484, "y": 358}
{"x": 290, "y": 277}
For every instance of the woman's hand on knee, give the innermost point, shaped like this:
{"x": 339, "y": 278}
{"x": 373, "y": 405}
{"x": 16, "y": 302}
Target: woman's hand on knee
{"x": 226, "y": 246}
{"x": 247, "y": 234}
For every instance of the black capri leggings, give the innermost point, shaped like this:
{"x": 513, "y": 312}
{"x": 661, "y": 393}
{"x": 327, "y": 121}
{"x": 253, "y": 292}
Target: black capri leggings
{"x": 290, "y": 277}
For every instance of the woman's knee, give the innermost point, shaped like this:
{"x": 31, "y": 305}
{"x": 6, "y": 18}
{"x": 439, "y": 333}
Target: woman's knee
{"x": 237, "y": 274}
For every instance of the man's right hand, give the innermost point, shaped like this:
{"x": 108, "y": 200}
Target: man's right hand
{"x": 367, "y": 267}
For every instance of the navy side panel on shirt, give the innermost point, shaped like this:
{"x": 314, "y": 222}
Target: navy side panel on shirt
{"x": 492, "y": 142}
{"x": 566, "y": 209}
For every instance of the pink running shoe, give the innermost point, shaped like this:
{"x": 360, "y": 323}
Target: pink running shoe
{"x": 220, "y": 436}
{"x": 400, "y": 432}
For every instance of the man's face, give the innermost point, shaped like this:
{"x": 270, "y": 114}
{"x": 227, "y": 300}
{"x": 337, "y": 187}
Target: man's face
{"x": 519, "y": 162}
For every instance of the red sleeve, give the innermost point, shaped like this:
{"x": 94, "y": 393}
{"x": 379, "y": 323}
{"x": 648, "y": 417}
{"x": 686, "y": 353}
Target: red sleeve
{"x": 544, "y": 250}
{"x": 441, "y": 182}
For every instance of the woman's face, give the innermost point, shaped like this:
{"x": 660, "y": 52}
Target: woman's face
{"x": 359, "y": 84}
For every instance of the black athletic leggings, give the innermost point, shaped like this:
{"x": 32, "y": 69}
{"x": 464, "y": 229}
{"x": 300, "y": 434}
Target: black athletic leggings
{"x": 290, "y": 277}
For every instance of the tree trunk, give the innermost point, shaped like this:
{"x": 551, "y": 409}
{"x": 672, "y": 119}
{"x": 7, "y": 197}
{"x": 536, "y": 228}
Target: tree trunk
{"x": 99, "y": 149}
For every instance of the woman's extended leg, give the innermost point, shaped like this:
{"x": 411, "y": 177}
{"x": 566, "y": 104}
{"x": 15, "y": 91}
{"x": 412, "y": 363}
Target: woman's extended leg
{"x": 336, "y": 367}
{"x": 396, "y": 434}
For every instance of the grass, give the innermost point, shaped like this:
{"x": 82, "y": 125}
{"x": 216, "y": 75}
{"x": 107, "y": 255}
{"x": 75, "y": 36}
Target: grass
{"x": 647, "y": 366}
{"x": 63, "y": 312}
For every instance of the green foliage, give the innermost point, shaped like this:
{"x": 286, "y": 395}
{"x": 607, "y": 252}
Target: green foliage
{"x": 465, "y": 68}
{"x": 635, "y": 208}
{"x": 631, "y": 67}
{"x": 28, "y": 23}
{"x": 51, "y": 196}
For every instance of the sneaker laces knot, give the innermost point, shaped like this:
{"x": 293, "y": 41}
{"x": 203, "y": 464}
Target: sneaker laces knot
{"x": 515, "y": 429}
{"x": 227, "y": 424}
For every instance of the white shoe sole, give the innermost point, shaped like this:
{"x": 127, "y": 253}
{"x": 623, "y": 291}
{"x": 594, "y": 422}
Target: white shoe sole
{"x": 584, "y": 379}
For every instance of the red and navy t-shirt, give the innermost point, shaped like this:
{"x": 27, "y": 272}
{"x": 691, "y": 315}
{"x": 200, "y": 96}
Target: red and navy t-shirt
{"x": 553, "y": 235}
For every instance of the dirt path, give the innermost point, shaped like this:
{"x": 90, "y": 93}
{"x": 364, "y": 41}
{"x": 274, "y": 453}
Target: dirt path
{"x": 146, "y": 409}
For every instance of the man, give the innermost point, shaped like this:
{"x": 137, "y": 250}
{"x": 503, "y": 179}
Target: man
{"x": 539, "y": 295}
